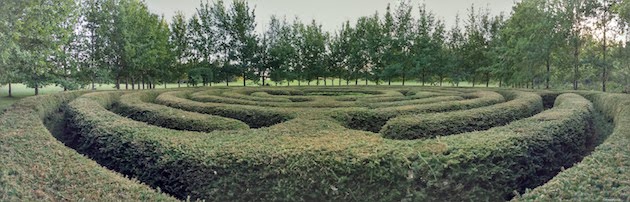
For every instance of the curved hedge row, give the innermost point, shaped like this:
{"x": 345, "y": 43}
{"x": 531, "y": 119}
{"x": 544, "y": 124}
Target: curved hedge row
{"x": 255, "y": 117}
{"x": 440, "y": 124}
{"x": 37, "y": 167}
{"x": 316, "y": 159}
{"x": 416, "y": 101}
{"x": 374, "y": 119}
{"x": 603, "y": 175}
{"x": 138, "y": 106}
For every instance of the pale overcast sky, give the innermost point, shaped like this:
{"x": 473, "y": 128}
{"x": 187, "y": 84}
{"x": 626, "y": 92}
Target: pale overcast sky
{"x": 332, "y": 13}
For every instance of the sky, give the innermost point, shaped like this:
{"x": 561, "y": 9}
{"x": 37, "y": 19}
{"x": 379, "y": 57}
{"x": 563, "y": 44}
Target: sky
{"x": 332, "y": 13}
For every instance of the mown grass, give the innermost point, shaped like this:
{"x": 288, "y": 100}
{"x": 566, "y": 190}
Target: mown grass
{"x": 20, "y": 91}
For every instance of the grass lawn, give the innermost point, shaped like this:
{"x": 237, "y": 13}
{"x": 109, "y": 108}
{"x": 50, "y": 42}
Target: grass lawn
{"x": 21, "y": 91}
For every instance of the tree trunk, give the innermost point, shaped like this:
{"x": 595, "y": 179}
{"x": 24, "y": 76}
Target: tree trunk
{"x": 325, "y": 83}
{"x": 423, "y": 77}
{"x": 389, "y": 81}
{"x": 36, "y": 87}
{"x": 263, "y": 78}
{"x": 133, "y": 83}
{"x": 487, "y": 80}
{"x": 548, "y": 73}
{"x": 356, "y": 81}
{"x": 604, "y": 73}
{"x": 473, "y": 81}
{"x": 403, "y": 79}
{"x": 179, "y": 83}
{"x": 10, "y": 90}
{"x": 118, "y": 83}
{"x": 576, "y": 55}
{"x": 244, "y": 79}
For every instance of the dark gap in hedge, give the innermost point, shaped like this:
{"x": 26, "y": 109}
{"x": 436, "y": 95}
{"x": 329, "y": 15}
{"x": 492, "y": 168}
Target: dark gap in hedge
{"x": 549, "y": 99}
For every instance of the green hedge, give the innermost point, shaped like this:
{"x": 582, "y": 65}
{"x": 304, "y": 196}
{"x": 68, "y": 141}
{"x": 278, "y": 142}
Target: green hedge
{"x": 254, "y": 116}
{"x": 37, "y": 167}
{"x": 490, "y": 165}
{"x": 418, "y": 101}
{"x": 447, "y": 123}
{"x": 138, "y": 106}
{"x": 603, "y": 175}
{"x": 249, "y": 96}
{"x": 307, "y": 159}
{"x": 374, "y": 119}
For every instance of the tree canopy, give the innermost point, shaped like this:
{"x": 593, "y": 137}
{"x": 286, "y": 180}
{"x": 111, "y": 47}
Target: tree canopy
{"x": 579, "y": 44}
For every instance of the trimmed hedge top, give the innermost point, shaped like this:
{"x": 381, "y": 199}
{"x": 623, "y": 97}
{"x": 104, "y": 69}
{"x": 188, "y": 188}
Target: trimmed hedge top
{"x": 603, "y": 175}
{"x": 37, "y": 167}
{"x": 330, "y": 161}
{"x": 270, "y": 144}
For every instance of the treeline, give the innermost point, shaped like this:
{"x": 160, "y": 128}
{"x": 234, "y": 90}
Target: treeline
{"x": 579, "y": 44}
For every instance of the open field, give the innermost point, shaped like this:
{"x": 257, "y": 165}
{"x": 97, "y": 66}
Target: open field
{"x": 316, "y": 144}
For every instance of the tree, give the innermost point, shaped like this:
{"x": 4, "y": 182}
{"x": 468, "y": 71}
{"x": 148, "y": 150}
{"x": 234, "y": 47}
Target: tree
{"x": 605, "y": 19}
{"x": 313, "y": 48}
{"x": 179, "y": 40}
{"x": 280, "y": 50}
{"x": 388, "y": 60}
{"x": 242, "y": 40}
{"x": 402, "y": 39}
{"x": 423, "y": 49}
{"x": 43, "y": 30}
{"x": 455, "y": 60}
{"x": 573, "y": 14}
{"x": 10, "y": 51}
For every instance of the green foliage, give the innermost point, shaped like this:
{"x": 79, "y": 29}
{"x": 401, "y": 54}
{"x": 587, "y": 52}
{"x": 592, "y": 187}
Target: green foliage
{"x": 37, "y": 167}
{"x": 139, "y": 106}
{"x": 374, "y": 120}
{"x": 601, "y": 175}
{"x": 274, "y": 163}
{"x": 477, "y": 119}
{"x": 255, "y": 117}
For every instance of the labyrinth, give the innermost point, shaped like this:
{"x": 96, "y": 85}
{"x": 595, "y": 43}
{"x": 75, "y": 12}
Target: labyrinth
{"x": 317, "y": 144}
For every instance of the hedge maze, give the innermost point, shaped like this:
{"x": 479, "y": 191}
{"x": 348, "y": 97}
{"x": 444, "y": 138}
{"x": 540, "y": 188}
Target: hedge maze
{"x": 317, "y": 144}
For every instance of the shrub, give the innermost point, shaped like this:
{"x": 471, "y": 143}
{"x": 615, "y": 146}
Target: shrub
{"x": 374, "y": 120}
{"x": 601, "y": 176}
{"x": 306, "y": 159}
{"x": 447, "y": 123}
{"x": 255, "y": 117}
{"x": 138, "y": 107}
{"x": 37, "y": 167}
